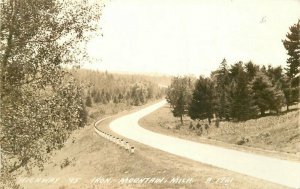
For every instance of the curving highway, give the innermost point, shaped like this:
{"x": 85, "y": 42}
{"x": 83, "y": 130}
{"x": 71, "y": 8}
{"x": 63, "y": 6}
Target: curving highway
{"x": 278, "y": 171}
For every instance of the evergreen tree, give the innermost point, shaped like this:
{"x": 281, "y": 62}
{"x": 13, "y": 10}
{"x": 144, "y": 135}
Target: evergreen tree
{"x": 251, "y": 70}
{"x": 241, "y": 102}
{"x": 292, "y": 45}
{"x": 221, "y": 84}
{"x": 201, "y": 106}
{"x": 265, "y": 96}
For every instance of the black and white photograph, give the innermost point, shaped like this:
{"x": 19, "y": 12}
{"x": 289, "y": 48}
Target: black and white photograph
{"x": 150, "y": 94}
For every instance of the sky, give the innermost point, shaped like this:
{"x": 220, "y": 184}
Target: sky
{"x": 190, "y": 37}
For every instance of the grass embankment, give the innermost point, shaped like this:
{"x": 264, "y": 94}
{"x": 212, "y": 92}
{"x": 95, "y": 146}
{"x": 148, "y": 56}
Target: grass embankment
{"x": 87, "y": 156}
{"x": 274, "y": 135}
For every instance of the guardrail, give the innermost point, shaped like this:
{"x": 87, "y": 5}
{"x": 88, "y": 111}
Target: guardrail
{"x": 118, "y": 141}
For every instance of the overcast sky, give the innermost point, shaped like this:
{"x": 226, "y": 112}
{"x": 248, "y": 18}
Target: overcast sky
{"x": 191, "y": 36}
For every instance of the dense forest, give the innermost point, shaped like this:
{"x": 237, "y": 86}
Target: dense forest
{"x": 104, "y": 87}
{"x": 240, "y": 91}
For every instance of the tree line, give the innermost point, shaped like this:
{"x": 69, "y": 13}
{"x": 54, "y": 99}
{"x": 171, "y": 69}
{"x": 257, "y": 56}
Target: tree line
{"x": 241, "y": 91}
{"x": 104, "y": 87}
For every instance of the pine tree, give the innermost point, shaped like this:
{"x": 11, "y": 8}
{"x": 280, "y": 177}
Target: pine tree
{"x": 292, "y": 45}
{"x": 241, "y": 102}
{"x": 221, "y": 84}
{"x": 251, "y": 70}
{"x": 265, "y": 95}
{"x": 201, "y": 106}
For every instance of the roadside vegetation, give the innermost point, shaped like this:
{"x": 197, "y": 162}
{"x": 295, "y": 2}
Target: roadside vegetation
{"x": 276, "y": 133}
{"x": 242, "y": 103}
{"x": 41, "y": 103}
{"x": 241, "y": 91}
{"x": 87, "y": 157}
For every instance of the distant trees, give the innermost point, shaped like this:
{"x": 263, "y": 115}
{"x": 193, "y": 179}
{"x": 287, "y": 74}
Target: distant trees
{"x": 292, "y": 45}
{"x": 117, "y": 88}
{"x": 138, "y": 94}
{"x": 179, "y": 95}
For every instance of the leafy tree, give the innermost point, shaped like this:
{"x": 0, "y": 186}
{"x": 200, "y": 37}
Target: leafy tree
{"x": 83, "y": 114}
{"x": 179, "y": 95}
{"x": 88, "y": 101}
{"x": 40, "y": 102}
{"x": 201, "y": 106}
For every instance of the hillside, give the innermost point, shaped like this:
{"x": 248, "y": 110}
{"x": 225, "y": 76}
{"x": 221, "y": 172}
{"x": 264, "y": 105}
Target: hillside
{"x": 87, "y": 157}
{"x": 276, "y": 135}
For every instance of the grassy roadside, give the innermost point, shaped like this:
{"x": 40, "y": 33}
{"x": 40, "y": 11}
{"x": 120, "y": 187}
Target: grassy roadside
{"x": 91, "y": 156}
{"x": 277, "y": 136}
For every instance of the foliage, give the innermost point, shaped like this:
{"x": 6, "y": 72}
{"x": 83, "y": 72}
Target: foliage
{"x": 238, "y": 93}
{"x": 265, "y": 95}
{"x": 179, "y": 95}
{"x": 40, "y": 102}
{"x": 88, "y": 101}
{"x": 241, "y": 102}
{"x": 221, "y": 81}
{"x": 292, "y": 45}
{"x": 201, "y": 106}
{"x": 107, "y": 88}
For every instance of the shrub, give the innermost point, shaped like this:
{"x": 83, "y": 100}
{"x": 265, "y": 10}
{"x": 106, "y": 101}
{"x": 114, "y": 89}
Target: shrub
{"x": 191, "y": 126}
{"x": 198, "y": 126}
{"x": 65, "y": 163}
{"x": 243, "y": 140}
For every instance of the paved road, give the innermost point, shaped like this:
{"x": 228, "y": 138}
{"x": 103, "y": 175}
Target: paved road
{"x": 278, "y": 171}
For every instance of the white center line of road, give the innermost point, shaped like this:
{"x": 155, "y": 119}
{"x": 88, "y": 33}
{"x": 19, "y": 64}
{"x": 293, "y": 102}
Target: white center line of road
{"x": 278, "y": 171}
